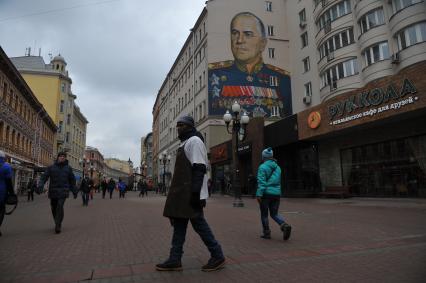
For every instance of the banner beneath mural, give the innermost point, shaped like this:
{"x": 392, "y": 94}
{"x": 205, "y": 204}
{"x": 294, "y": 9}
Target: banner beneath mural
{"x": 261, "y": 89}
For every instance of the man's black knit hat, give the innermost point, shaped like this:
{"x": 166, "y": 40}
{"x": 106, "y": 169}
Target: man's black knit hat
{"x": 188, "y": 120}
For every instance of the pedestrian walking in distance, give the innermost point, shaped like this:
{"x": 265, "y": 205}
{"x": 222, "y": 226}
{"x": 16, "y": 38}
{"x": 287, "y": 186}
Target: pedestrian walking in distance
{"x": 61, "y": 181}
{"x": 6, "y": 186}
{"x": 31, "y": 187}
{"x": 141, "y": 188}
{"x": 111, "y": 187}
{"x": 187, "y": 198}
{"x": 85, "y": 190}
{"x": 268, "y": 194}
{"x": 121, "y": 188}
{"x": 104, "y": 186}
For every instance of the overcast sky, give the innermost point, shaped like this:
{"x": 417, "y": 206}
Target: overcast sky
{"x": 118, "y": 53}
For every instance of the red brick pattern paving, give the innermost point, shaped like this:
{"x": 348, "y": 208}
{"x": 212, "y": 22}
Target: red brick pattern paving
{"x": 121, "y": 240}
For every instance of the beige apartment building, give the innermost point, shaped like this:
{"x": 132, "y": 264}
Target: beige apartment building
{"x": 76, "y": 155}
{"x": 354, "y": 116}
{"x": 360, "y": 66}
{"x": 120, "y": 165}
{"x": 206, "y": 65}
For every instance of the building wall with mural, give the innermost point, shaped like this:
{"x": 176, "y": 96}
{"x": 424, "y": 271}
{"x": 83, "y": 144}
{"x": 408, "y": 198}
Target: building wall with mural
{"x": 248, "y": 58}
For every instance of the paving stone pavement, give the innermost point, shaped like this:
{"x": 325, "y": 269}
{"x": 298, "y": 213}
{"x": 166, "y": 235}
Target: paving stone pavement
{"x": 121, "y": 240}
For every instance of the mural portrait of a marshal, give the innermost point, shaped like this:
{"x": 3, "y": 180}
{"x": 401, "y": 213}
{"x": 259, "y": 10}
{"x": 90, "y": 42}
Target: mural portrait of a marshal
{"x": 261, "y": 89}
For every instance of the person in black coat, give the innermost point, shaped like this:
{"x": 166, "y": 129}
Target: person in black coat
{"x": 31, "y": 187}
{"x": 111, "y": 187}
{"x": 85, "y": 190}
{"x": 61, "y": 181}
{"x": 104, "y": 186}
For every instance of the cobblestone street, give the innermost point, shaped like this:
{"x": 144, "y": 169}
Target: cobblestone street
{"x": 121, "y": 240}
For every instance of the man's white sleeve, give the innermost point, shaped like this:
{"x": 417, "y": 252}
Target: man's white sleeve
{"x": 195, "y": 151}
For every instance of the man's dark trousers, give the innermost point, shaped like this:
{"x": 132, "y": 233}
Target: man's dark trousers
{"x": 202, "y": 228}
{"x": 57, "y": 206}
{"x": 85, "y": 197}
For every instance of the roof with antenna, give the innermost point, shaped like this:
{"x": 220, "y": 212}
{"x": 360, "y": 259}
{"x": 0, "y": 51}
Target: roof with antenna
{"x": 29, "y": 62}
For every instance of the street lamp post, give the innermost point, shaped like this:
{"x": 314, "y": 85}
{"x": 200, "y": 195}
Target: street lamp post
{"x": 238, "y": 130}
{"x": 165, "y": 160}
{"x": 91, "y": 171}
{"x": 130, "y": 162}
{"x": 83, "y": 161}
{"x": 135, "y": 172}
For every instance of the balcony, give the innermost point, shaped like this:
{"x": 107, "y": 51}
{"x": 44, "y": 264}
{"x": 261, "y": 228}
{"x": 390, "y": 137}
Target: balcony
{"x": 407, "y": 16}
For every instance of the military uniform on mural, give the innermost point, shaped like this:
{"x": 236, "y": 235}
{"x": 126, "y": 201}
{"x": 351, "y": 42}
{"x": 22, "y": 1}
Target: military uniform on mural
{"x": 264, "y": 92}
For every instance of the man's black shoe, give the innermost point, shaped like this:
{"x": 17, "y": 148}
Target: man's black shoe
{"x": 266, "y": 236}
{"x": 57, "y": 229}
{"x": 214, "y": 264}
{"x": 169, "y": 265}
{"x": 286, "y": 231}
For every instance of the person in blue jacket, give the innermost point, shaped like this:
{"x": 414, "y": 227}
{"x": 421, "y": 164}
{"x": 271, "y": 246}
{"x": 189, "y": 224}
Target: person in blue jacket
{"x": 5, "y": 184}
{"x": 121, "y": 188}
{"x": 268, "y": 194}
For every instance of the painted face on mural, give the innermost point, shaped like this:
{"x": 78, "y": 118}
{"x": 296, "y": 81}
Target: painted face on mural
{"x": 247, "y": 42}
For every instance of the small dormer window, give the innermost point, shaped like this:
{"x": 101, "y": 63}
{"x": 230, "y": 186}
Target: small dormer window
{"x": 62, "y": 68}
{"x": 57, "y": 67}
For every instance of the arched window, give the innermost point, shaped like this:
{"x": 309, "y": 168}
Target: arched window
{"x": 7, "y": 135}
{"x": 18, "y": 141}
{"x": 1, "y": 132}
{"x": 13, "y": 141}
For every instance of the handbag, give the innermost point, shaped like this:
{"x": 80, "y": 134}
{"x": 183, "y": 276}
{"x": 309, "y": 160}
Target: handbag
{"x": 11, "y": 199}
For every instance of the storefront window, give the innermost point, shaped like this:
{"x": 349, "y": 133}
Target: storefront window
{"x": 394, "y": 168}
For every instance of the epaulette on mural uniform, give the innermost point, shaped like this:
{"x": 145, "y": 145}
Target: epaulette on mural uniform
{"x": 278, "y": 70}
{"x": 220, "y": 65}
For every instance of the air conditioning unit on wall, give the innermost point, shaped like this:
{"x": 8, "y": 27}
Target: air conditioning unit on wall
{"x": 395, "y": 58}
{"x": 307, "y": 99}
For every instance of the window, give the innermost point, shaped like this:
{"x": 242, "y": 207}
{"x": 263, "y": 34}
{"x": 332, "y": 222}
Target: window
{"x": 302, "y": 17}
{"x": 271, "y": 52}
{"x": 376, "y": 53}
{"x": 304, "y": 38}
{"x": 339, "y": 71}
{"x": 67, "y": 137}
{"x": 371, "y": 19}
{"x": 398, "y": 5}
{"x": 60, "y": 126}
{"x": 63, "y": 86}
{"x": 61, "y": 106}
{"x": 338, "y": 10}
{"x": 271, "y": 30}
{"x": 411, "y": 35}
{"x": 68, "y": 119}
{"x": 4, "y": 91}
{"x": 306, "y": 65}
{"x": 268, "y": 6}
{"x": 335, "y": 42}
{"x": 308, "y": 89}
